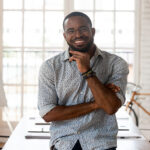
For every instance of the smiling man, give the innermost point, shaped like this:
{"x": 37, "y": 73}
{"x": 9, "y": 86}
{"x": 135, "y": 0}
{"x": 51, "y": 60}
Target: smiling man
{"x": 81, "y": 89}
{"x": 78, "y": 35}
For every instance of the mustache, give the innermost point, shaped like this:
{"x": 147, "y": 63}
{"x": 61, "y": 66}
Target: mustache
{"x": 81, "y": 38}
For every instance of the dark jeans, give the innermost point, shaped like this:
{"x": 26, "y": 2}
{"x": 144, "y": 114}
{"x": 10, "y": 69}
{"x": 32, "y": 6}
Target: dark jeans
{"x": 114, "y": 148}
{"x": 77, "y": 146}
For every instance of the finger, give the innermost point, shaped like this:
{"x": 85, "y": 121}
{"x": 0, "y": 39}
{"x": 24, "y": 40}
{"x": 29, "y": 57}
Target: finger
{"x": 70, "y": 59}
{"x": 78, "y": 53}
{"x": 114, "y": 90}
{"x": 73, "y": 58}
{"x": 118, "y": 89}
{"x": 75, "y": 52}
{"x": 113, "y": 87}
{"x": 109, "y": 85}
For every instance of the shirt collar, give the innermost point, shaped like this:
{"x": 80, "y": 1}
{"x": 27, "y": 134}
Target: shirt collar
{"x": 97, "y": 53}
{"x": 66, "y": 55}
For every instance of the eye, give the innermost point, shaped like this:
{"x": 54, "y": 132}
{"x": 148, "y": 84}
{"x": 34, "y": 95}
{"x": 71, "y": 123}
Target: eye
{"x": 70, "y": 31}
{"x": 84, "y": 29}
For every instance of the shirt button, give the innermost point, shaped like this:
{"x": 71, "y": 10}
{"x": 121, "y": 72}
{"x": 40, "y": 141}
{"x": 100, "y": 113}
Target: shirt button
{"x": 78, "y": 132}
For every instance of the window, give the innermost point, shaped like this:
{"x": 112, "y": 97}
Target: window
{"x": 115, "y": 26}
{"x": 32, "y": 32}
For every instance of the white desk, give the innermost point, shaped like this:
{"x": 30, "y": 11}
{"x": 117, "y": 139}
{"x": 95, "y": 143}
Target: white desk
{"x": 17, "y": 140}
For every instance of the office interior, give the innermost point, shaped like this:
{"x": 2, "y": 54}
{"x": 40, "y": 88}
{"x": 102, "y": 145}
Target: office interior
{"x": 31, "y": 32}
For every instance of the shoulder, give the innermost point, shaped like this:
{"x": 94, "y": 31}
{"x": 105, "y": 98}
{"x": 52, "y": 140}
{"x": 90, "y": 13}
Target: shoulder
{"x": 50, "y": 65}
{"x": 114, "y": 63}
{"x": 113, "y": 59}
{"x": 54, "y": 61}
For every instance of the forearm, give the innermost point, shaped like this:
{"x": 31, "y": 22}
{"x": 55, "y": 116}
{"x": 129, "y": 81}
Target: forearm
{"x": 69, "y": 112}
{"x": 104, "y": 97}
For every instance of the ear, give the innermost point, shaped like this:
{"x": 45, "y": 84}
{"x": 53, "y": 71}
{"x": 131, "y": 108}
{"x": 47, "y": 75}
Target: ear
{"x": 64, "y": 35}
{"x": 93, "y": 31}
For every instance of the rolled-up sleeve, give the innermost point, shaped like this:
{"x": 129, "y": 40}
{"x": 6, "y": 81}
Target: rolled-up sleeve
{"x": 47, "y": 96}
{"x": 119, "y": 77}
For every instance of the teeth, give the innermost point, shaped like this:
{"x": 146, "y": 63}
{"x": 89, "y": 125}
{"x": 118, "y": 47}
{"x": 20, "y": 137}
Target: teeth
{"x": 79, "y": 41}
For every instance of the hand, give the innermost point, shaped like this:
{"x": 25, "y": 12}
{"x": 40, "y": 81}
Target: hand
{"x": 107, "y": 105}
{"x": 113, "y": 87}
{"x": 82, "y": 60}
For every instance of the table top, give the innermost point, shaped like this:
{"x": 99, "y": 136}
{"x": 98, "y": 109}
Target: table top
{"x": 28, "y": 136}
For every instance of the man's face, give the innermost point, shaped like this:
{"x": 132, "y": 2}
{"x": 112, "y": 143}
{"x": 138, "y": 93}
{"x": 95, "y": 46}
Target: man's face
{"x": 78, "y": 33}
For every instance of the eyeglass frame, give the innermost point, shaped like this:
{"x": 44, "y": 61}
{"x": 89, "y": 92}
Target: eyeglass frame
{"x": 81, "y": 30}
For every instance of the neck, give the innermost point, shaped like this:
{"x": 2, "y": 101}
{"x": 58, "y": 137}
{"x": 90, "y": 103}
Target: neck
{"x": 92, "y": 50}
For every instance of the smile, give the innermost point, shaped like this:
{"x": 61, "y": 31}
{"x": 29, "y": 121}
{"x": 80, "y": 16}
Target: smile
{"x": 79, "y": 42}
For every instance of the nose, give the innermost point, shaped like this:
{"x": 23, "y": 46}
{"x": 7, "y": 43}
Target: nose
{"x": 78, "y": 33}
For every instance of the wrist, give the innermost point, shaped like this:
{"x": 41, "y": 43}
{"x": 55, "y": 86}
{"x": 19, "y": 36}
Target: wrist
{"x": 88, "y": 74}
{"x": 85, "y": 71}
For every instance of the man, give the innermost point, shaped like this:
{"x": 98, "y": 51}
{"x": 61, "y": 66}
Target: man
{"x": 81, "y": 89}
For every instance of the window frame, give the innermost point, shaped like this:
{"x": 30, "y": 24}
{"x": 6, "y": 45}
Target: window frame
{"x": 68, "y": 7}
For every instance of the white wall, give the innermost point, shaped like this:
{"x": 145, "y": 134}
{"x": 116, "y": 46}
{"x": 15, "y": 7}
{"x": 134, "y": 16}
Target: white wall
{"x": 142, "y": 58}
{"x": 145, "y": 45}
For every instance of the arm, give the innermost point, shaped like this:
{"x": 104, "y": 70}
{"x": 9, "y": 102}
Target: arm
{"x": 48, "y": 99}
{"x": 69, "y": 112}
{"x": 105, "y": 98}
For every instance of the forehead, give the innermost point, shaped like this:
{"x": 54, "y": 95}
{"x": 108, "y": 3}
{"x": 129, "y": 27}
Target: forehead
{"x": 75, "y": 22}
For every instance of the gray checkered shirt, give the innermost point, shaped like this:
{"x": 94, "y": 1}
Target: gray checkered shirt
{"x": 60, "y": 83}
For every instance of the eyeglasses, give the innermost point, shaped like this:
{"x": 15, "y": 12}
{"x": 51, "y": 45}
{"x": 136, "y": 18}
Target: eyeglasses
{"x": 81, "y": 30}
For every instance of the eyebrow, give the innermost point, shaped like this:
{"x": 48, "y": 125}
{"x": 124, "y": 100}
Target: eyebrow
{"x": 79, "y": 28}
{"x": 70, "y": 29}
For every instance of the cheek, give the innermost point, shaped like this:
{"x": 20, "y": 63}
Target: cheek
{"x": 67, "y": 39}
{"x": 70, "y": 39}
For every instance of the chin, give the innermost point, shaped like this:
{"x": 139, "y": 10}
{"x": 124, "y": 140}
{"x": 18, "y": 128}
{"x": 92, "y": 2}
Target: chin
{"x": 84, "y": 49}
{"x": 81, "y": 49}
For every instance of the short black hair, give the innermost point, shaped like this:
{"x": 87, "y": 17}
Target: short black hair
{"x": 76, "y": 13}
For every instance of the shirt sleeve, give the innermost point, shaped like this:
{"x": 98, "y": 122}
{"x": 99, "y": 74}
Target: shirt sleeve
{"x": 47, "y": 96}
{"x": 119, "y": 77}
